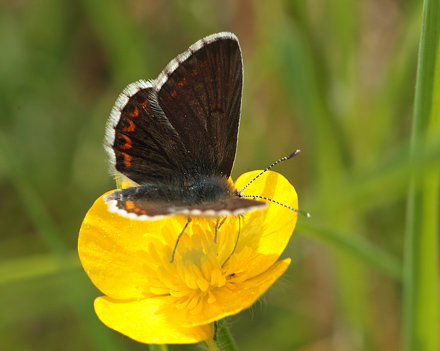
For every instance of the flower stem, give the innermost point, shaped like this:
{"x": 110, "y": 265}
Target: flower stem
{"x": 212, "y": 346}
{"x": 225, "y": 340}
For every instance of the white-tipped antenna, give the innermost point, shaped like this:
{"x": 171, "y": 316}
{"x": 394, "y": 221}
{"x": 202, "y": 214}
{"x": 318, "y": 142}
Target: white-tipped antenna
{"x": 273, "y": 164}
{"x": 279, "y": 203}
{"x": 271, "y": 200}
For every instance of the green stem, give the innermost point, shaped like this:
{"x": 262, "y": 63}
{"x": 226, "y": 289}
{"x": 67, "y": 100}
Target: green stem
{"x": 421, "y": 304}
{"x": 212, "y": 346}
{"x": 225, "y": 340}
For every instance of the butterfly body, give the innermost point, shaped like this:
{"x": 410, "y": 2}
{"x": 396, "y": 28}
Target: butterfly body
{"x": 179, "y": 192}
{"x": 176, "y": 136}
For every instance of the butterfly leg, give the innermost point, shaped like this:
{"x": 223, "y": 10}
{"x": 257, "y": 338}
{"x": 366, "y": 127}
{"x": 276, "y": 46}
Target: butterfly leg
{"x": 236, "y": 242}
{"x": 178, "y": 239}
{"x": 218, "y": 224}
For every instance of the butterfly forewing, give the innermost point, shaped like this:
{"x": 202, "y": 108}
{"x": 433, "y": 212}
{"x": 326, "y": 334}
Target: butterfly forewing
{"x": 184, "y": 122}
{"x": 201, "y": 98}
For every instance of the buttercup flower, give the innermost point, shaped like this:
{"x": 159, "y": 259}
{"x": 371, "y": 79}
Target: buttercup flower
{"x": 154, "y": 301}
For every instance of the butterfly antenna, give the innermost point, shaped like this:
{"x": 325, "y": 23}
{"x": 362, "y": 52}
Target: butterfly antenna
{"x": 218, "y": 224}
{"x": 273, "y": 164}
{"x": 279, "y": 203}
{"x": 307, "y": 214}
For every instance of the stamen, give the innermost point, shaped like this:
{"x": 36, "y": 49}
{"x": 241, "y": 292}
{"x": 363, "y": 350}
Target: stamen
{"x": 160, "y": 291}
{"x": 202, "y": 284}
{"x": 198, "y": 307}
{"x": 195, "y": 275}
{"x": 183, "y": 304}
{"x": 211, "y": 297}
{"x": 193, "y": 302}
{"x": 206, "y": 267}
{"x": 217, "y": 278}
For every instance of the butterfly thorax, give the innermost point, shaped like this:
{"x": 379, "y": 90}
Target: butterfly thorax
{"x": 180, "y": 192}
{"x": 205, "y": 189}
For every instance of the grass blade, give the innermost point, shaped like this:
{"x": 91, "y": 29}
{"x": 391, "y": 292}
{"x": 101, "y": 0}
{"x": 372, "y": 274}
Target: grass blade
{"x": 421, "y": 294}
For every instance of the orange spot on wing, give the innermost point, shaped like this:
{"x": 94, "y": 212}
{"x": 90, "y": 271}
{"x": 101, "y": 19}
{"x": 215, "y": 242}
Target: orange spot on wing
{"x": 194, "y": 72}
{"x": 145, "y": 104}
{"x": 128, "y": 143}
{"x": 127, "y": 160}
{"x": 130, "y": 205}
{"x": 140, "y": 211}
{"x": 130, "y": 128}
{"x": 173, "y": 93}
{"x": 182, "y": 83}
{"x": 135, "y": 113}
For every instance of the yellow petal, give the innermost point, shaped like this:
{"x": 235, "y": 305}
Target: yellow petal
{"x": 110, "y": 248}
{"x": 229, "y": 302}
{"x": 267, "y": 231}
{"x": 143, "y": 321}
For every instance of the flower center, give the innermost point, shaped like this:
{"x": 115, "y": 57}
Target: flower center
{"x": 201, "y": 267}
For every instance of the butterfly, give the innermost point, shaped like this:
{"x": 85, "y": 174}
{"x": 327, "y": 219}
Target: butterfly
{"x": 175, "y": 137}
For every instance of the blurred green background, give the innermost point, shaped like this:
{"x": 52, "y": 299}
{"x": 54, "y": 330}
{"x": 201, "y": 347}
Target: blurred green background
{"x": 335, "y": 79}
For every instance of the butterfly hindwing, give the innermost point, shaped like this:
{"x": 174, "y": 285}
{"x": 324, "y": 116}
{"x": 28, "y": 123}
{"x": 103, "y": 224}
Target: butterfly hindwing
{"x": 150, "y": 210}
{"x": 145, "y": 147}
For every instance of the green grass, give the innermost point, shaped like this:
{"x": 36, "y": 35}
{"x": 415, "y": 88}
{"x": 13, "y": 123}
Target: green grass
{"x": 354, "y": 84}
{"x": 421, "y": 293}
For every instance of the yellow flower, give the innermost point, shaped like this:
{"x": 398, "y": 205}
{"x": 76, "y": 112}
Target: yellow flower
{"x": 154, "y": 301}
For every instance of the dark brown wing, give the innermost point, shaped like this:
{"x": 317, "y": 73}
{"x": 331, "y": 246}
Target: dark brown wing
{"x": 149, "y": 210}
{"x": 140, "y": 141}
{"x": 200, "y": 93}
{"x": 184, "y": 122}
